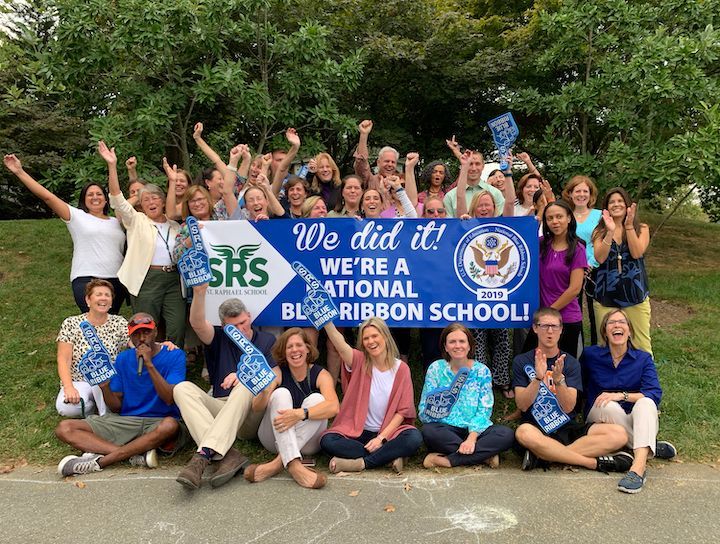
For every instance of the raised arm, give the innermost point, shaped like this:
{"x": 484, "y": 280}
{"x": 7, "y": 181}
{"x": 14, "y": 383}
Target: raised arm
{"x": 229, "y": 195}
{"x": 131, "y": 165}
{"x": 202, "y": 327}
{"x": 637, "y": 244}
{"x": 525, "y": 157}
{"x": 411, "y": 161}
{"x": 208, "y": 151}
{"x": 282, "y": 170}
{"x": 461, "y": 190}
{"x": 338, "y": 340}
{"x": 108, "y": 155}
{"x": 392, "y": 185}
{"x": 274, "y": 206}
{"x": 601, "y": 246}
{"x": 454, "y": 147}
{"x": 55, "y": 203}
{"x": 508, "y": 192}
{"x": 173, "y": 209}
{"x": 244, "y": 167}
{"x": 362, "y": 161}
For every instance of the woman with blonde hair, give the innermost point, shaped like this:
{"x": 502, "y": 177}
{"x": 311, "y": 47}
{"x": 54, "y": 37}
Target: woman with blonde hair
{"x": 375, "y": 424}
{"x": 324, "y": 178}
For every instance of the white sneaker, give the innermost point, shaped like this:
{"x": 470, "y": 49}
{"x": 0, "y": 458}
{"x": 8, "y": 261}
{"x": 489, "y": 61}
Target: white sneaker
{"x": 149, "y": 459}
{"x": 74, "y": 464}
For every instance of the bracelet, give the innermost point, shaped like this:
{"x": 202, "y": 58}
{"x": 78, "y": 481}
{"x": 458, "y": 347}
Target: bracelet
{"x": 400, "y": 190}
{"x": 609, "y": 244}
{"x": 625, "y": 396}
{"x": 507, "y": 175}
{"x": 561, "y": 381}
{"x": 383, "y": 440}
{"x": 631, "y": 228}
{"x": 233, "y": 168}
{"x": 538, "y": 378}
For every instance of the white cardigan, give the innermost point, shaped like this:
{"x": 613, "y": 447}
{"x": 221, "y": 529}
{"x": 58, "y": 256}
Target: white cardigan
{"x": 141, "y": 233}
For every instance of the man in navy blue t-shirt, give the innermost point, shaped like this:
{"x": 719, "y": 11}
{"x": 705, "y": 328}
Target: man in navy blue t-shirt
{"x": 140, "y": 397}
{"x": 557, "y": 374}
{"x": 216, "y": 421}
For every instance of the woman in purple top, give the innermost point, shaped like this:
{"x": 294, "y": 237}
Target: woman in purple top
{"x": 562, "y": 268}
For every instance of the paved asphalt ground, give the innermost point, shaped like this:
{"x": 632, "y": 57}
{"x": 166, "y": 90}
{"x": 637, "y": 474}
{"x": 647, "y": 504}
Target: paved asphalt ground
{"x": 680, "y": 504}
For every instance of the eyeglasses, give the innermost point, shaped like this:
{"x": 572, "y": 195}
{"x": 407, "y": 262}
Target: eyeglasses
{"x": 439, "y": 211}
{"x": 617, "y": 322}
{"x": 550, "y": 327}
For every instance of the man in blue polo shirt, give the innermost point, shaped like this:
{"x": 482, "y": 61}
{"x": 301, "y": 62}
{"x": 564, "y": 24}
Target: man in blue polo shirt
{"x": 559, "y": 374}
{"x": 140, "y": 397}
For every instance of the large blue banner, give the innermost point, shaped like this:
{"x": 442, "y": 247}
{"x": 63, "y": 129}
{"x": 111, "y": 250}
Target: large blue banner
{"x": 411, "y": 272}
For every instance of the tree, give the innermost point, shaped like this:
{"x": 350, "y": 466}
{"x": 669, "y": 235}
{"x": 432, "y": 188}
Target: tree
{"x": 143, "y": 73}
{"x": 621, "y": 86}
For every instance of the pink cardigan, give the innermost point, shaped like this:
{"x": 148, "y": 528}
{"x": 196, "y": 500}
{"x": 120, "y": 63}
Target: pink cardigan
{"x": 350, "y": 421}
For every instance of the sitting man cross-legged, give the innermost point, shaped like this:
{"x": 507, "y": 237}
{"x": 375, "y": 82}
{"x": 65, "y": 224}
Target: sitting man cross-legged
{"x": 215, "y": 421}
{"x": 546, "y": 376}
{"x": 140, "y": 395}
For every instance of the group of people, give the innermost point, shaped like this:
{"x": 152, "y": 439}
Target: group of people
{"x": 583, "y": 251}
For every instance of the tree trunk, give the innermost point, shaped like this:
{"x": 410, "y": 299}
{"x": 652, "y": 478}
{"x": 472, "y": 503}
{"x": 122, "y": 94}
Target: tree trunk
{"x": 672, "y": 212}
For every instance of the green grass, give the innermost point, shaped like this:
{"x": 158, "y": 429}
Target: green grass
{"x": 35, "y": 297}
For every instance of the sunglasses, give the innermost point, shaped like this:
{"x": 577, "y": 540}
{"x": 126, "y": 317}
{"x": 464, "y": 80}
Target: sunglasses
{"x": 439, "y": 211}
{"x": 142, "y": 320}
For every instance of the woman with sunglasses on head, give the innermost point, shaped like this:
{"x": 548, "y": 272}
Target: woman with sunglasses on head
{"x": 77, "y": 398}
{"x": 98, "y": 239}
{"x": 620, "y": 242}
{"x": 622, "y": 386}
{"x": 297, "y": 405}
{"x": 375, "y": 424}
{"x": 148, "y": 271}
{"x": 456, "y": 425}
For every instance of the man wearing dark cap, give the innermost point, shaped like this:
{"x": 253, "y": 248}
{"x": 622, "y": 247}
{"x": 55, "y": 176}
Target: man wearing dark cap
{"x": 140, "y": 397}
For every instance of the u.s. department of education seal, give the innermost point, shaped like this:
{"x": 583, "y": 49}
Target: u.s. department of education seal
{"x": 492, "y": 260}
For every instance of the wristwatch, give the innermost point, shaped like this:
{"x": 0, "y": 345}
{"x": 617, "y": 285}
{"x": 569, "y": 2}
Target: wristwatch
{"x": 561, "y": 381}
{"x": 383, "y": 440}
{"x": 625, "y": 396}
{"x": 307, "y": 414}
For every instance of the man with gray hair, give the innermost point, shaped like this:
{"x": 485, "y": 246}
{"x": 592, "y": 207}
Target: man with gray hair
{"x": 216, "y": 421}
{"x": 387, "y": 159}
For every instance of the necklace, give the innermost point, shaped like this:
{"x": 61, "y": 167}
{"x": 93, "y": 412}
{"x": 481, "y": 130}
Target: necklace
{"x": 306, "y": 380}
{"x": 616, "y": 360}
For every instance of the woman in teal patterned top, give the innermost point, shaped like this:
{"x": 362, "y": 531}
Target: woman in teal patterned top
{"x": 456, "y": 405}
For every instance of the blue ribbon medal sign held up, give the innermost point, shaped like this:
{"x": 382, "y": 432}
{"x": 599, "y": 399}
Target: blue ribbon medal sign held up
{"x": 95, "y": 365}
{"x": 439, "y": 403}
{"x": 546, "y": 409}
{"x": 194, "y": 265}
{"x": 253, "y": 370}
{"x": 317, "y": 305}
{"x": 504, "y": 132}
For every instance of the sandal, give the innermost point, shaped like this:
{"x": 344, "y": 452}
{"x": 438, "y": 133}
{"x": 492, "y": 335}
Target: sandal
{"x": 507, "y": 392}
{"x": 249, "y": 473}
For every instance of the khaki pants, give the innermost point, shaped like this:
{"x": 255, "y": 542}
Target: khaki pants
{"x": 215, "y": 423}
{"x": 641, "y": 424}
{"x": 303, "y": 438}
{"x": 639, "y": 316}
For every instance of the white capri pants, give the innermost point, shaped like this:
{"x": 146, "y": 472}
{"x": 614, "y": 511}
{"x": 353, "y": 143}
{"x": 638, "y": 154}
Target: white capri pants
{"x": 91, "y": 395}
{"x": 641, "y": 423}
{"x": 303, "y": 438}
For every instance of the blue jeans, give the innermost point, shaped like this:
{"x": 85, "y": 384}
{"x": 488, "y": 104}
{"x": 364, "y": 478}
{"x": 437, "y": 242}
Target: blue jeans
{"x": 403, "y": 445}
{"x": 446, "y": 439}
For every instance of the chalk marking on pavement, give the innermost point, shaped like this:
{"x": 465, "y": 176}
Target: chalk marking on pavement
{"x": 324, "y": 532}
{"x": 478, "y": 519}
{"x": 165, "y": 528}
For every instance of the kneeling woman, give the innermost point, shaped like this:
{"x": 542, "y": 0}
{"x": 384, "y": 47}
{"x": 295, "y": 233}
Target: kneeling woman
{"x": 623, "y": 387}
{"x": 297, "y": 404}
{"x": 375, "y": 424}
{"x": 461, "y": 432}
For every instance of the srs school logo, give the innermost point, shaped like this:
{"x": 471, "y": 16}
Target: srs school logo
{"x": 492, "y": 257}
{"x": 238, "y": 267}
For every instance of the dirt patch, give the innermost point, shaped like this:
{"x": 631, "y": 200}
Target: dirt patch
{"x": 666, "y": 314}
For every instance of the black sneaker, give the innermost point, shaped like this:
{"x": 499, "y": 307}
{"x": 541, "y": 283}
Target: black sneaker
{"x": 529, "y": 461}
{"x": 619, "y": 462}
{"x": 665, "y": 450}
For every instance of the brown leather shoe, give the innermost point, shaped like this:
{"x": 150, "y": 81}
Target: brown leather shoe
{"x": 191, "y": 475}
{"x": 231, "y": 464}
